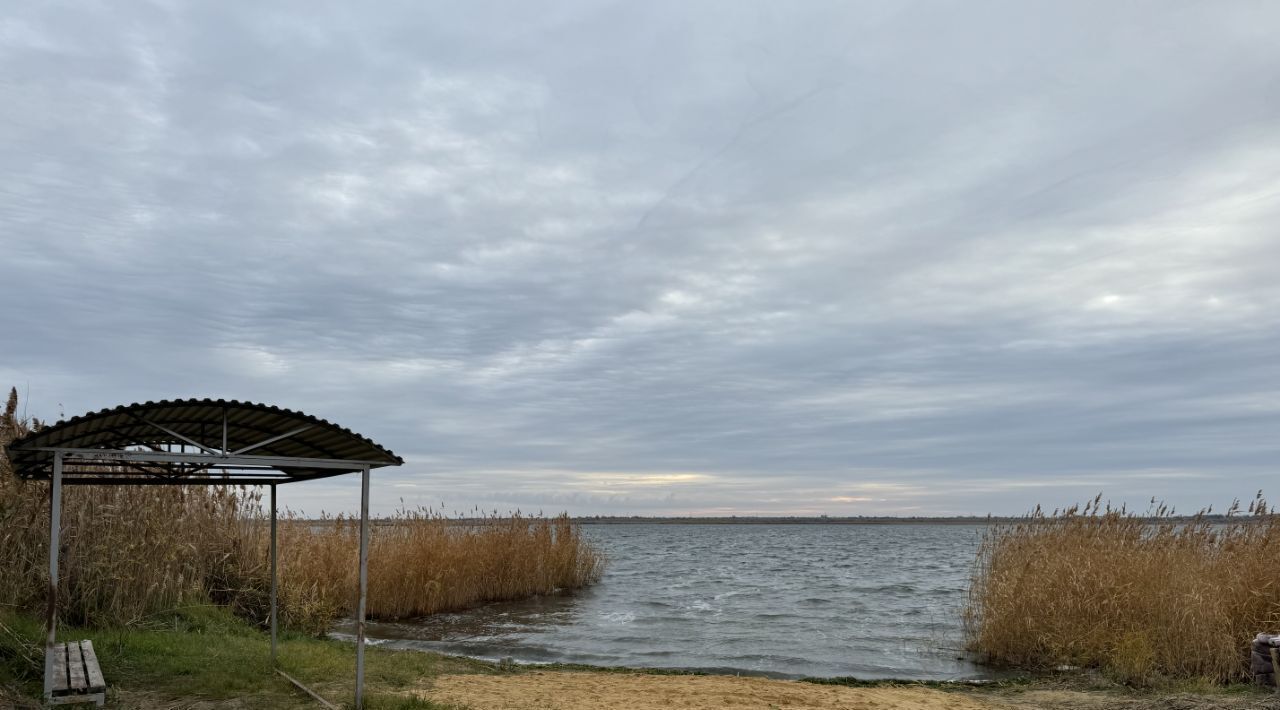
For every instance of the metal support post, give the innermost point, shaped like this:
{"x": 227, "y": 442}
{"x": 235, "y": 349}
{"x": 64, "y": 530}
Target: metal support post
{"x": 274, "y": 609}
{"x": 55, "y": 534}
{"x": 364, "y": 584}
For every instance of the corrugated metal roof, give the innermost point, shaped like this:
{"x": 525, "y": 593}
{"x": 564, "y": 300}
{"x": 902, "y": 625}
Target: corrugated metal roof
{"x": 201, "y": 420}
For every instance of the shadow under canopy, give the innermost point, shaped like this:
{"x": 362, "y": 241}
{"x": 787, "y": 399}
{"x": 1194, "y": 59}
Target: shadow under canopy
{"x": 197, "y": 442}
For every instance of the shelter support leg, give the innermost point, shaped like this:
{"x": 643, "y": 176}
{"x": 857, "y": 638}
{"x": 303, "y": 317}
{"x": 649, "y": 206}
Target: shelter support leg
{"x": 55, "y": 535}
{"x": 274, "y": 607}
{"x": 364, "y": 585}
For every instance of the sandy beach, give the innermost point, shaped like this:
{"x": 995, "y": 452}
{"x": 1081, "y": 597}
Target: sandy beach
{"x": 573, "y": 690}
{"x": 595, "y": 691}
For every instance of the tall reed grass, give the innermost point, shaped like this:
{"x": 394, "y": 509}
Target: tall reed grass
{"x": 125, "y": 551}
{"x": 132, "y": 552}
{"x": 1143, "y": 597}
{"x": 422, "y": 563}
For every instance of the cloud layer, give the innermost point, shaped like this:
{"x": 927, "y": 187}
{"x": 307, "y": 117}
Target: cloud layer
{"x": 658, "y": 258}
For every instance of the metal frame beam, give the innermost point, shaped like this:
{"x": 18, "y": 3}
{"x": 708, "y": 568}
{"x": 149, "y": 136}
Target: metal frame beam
{"x": 271, "y": 440}
{"x": 364, "y": 585}
{"x": 175, "y": 434}
{"x": 273, "y": 575}
{"x": 179, "y": 482}
{"x": 240, "y": 477}
{"x": 55, "y": 534}
{"x": 216, "y": 459}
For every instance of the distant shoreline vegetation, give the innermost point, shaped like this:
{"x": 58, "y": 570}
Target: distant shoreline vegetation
{"x": 958, "y": 520}
{"x": 781, "y": 520}
{"x": 742, "y": 520}
{"x": 847, "y": 520}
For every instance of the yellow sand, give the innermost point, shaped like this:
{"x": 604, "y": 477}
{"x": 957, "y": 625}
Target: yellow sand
{"x": 559, "y": 690}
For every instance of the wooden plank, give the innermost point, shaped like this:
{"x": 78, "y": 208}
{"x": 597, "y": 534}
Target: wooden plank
{"x": 59, "y": 652}
{"x": 75, "y": 668}
{"x": 78, "y": 699}
{"x": 91, "y": 668}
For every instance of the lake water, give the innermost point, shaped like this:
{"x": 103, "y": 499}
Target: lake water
{"x": 871, "y": 601}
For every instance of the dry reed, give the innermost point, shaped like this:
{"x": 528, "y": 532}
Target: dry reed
{"x": 1143, "y": 597}
{"x": 125, "y": 551}
{"x": 423, "y": 563}
{"x": 131, "y": 552}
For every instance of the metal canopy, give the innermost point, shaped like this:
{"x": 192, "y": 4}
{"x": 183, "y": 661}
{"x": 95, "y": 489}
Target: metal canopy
{"x": 194, "y": 441}
{"x": 197, "y": 442}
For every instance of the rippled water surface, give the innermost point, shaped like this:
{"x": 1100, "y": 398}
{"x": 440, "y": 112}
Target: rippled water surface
{"x": 788, "y": 600}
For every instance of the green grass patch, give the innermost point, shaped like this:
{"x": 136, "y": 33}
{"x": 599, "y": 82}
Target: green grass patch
{"x": 206, "y": 653}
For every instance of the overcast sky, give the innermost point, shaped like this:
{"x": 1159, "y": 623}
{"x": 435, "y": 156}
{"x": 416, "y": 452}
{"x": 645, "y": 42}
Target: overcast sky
{"x": 667, "y": 258}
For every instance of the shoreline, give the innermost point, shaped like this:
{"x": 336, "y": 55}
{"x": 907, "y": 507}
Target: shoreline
{"x": 960, "y": 520}
{"x": 512, "y": 663}
{"x": 966, "y": 520}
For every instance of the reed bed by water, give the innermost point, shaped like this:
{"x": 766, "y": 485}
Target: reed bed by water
{"x": 423, "y": 563}
{"x": 1143, "y": 597}
{"x": 129, "y": 553}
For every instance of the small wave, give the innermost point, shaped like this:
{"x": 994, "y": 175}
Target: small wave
{"x": 654, "y": 653}
{"x": 618, "y": 617}
{"x": 776, "y": 615}
{"x": 768, "y": 659}
{"x": 815, "y": 601}
{"x": 897, "y": 588}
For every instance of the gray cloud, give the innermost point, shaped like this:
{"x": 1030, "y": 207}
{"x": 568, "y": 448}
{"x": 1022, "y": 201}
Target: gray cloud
{"x": 935, "y": 257}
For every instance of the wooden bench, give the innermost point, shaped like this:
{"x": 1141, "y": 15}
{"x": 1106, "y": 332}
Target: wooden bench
{"x": 76, "y": 676}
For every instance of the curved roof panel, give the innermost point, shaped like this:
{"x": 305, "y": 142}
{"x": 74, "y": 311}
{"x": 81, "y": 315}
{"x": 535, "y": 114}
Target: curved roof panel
{"x": 198, "y": 425}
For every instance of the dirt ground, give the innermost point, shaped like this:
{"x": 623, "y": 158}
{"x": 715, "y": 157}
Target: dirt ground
{"x": 570, "y": 690}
